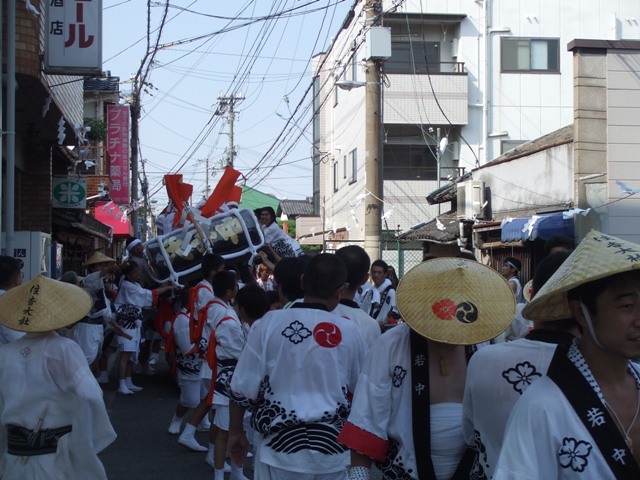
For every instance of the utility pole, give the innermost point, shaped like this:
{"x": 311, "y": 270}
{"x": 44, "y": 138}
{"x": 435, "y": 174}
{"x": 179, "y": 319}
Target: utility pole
{"x": 373, "y": 157}
{"x": 135, "y": 135}
{"x": 226, "y": 105}
{"x": 324, "y": 219}
{"x": 206, "y": 177}
{"x": 438, "y": 161}
{"x": 145, "y": 196}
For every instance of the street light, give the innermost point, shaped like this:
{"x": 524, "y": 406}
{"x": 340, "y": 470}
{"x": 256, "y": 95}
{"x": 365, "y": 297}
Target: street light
{"x": 350, "y": 84}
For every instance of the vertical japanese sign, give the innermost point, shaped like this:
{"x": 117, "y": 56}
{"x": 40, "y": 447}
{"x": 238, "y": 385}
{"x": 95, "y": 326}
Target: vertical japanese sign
{"x": 118, "y": 152}
{"x": 73, "y": 37}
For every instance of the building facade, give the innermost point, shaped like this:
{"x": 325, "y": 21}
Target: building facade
{"x": 465, "y": 82}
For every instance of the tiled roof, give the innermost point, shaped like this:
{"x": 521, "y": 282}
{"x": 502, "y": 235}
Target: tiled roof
{"x": 105, "y": 84}
{"x": 447, "y": 233}
{"x": 295, "y": 208}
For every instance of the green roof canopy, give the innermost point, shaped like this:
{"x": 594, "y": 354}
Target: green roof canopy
{"x": 253, "y": 199}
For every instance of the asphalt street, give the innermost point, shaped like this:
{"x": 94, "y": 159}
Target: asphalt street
{"x": 144, "y": 449}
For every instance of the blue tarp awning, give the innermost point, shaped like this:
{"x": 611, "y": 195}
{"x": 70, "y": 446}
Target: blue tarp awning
{"x": 537, "y": 226}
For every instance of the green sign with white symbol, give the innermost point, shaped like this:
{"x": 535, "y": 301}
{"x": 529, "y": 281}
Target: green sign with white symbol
{"x": 69, "y": 192}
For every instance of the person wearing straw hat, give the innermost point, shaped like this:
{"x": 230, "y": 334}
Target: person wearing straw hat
{"x": 498, "y": 375}
{"x": 10, "y": 277}
{"x": 53, "y": 420}
{"x": 581, "y": 420}
{"x": 407, "y": 409}
{"x": 89, "y": 331}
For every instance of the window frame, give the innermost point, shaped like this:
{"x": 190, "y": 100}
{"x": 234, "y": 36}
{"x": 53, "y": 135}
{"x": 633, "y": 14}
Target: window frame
{"x": 402, "y": 66}
{"x": 513, "y": 40}
{"x": 353, "y": 154}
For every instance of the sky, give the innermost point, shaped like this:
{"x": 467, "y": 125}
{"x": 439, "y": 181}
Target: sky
{"x": 260, "y": 50}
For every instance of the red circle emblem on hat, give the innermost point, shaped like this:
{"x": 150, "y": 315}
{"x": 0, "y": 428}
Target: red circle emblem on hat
{"x": 327, "y": 335}
{"x": 445, "y": 309}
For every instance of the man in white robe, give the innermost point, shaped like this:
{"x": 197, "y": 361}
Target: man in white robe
{"x": 298, "y": 369}
{"x": 282, "y": 244}
{"x": 407, "y": 409}
{"x": 199, "y": 311}
{"x": 382, "y": 284}
{"x": 357, "y": 262}
{"x": 53, "y": 421}
{"x": 89, "y": 332}
{"x": 581, "y": 421}
{"x": 499, "y": 374}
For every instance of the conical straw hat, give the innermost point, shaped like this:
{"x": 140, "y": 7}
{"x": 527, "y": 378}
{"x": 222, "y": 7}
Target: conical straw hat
{"x": 597, "y": 256}
{"x": 456, "y": 301}
{"x": 42, "y": 305}
{"x": 98, "y": 257}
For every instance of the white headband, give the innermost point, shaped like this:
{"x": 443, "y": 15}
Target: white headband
{"x": 133, "y": 244}
{"x": 513, "y": 266}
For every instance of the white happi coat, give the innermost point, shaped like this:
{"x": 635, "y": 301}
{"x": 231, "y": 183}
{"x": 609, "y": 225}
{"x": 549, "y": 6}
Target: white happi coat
{"x": 44, "y": 372}
{"x": 299, "y": 366}
{"x": 380, "y": 425}
{"x": 188, "y": 360}
{"x": 497, "y": 376}
{"x": 230, "y": 339}
{"x": 274, "y": 235}
{"x": 388, "y": 303}
{"x": 369, "y": 328}
{"x": 216, "y": 311}
{"x": 132, "y": 298}
{"x": 545, "y": 438}
{"x": 90, "y": 336}
{"x": 366, "y": 297}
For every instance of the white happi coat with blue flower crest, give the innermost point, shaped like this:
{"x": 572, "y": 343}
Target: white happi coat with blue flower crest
{"x": 546, "y": 439}
{"x": 497, "y": 376}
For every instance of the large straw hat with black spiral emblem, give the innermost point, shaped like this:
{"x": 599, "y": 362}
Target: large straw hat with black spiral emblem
{"x": 455, "y": 301}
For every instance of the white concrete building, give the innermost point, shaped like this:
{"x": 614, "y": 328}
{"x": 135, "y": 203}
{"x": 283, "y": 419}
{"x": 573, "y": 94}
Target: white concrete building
{"x": 486, "y": 74}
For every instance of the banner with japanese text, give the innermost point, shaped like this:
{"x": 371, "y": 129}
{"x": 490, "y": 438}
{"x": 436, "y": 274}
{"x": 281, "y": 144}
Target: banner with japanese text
{"x": 73, "y": 37}
{"x": 118, "y": 152}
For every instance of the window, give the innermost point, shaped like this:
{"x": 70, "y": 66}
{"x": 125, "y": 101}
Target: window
{"x": 410, "y": 57}
{"x": 530, "y": 54}
{"x": 335, "y": 176}
{"x": 507, "y": 145}
{"x": 335, "y": 90}
{"x": 410, "y": 162}
{"x": 354, "y": 165}
{"x": 344, "y": 167}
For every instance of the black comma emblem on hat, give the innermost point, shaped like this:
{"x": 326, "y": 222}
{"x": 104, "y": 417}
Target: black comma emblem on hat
{"x": 466, "y": 312}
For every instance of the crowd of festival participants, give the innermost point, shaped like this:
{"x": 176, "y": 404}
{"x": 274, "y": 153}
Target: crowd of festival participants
{"x": 325, "y": 367}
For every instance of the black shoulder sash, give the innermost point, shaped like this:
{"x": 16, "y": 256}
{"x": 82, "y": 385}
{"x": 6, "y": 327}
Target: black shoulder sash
{"x": 594, "y": 416}
{"x": 421, "y": 406}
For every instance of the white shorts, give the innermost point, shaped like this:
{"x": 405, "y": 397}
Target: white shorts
{"x": 192, "y": 390}
{"x": 90, "y": 337}
{"x": 221, "y": 419}
{"x": 132, "y": 345}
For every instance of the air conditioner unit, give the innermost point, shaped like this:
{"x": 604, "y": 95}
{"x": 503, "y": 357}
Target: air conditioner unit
{"x": 470, "y": 197}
